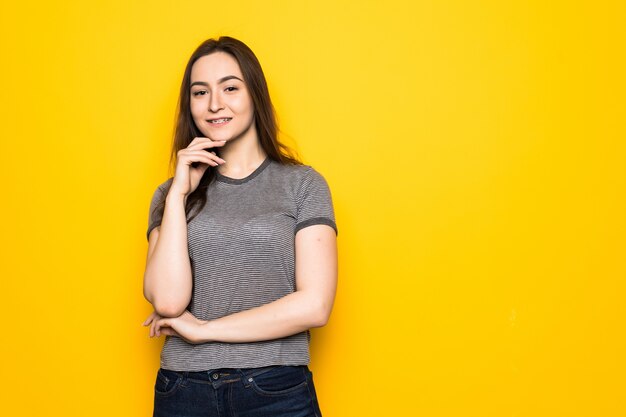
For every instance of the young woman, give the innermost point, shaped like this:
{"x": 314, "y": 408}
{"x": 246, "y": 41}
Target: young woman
{"x": 242, "y": 257}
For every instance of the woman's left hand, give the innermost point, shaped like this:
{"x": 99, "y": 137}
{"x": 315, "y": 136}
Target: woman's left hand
{"x": 185, "y": 326}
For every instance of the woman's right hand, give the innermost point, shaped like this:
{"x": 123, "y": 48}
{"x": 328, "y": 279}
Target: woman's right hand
{"x": 187, "y": 177}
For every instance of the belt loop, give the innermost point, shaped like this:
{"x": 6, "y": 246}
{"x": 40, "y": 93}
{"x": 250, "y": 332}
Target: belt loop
{"x": 244, "y": 377}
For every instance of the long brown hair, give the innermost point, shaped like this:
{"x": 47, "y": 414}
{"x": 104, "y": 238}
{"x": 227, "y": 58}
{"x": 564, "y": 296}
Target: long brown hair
{"x": 264, "y": 116}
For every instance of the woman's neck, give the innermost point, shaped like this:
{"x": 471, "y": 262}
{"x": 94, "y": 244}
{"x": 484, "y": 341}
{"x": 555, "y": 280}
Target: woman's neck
{"x": 242, "y": 157}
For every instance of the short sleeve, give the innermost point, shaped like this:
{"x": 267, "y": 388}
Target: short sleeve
{"x": 155, "y": 214}
{"x": 315, "y": 205}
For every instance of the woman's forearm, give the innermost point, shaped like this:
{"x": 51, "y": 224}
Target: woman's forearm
{"x": 286, "y": 316}
{"x": 309, "y": 306}
{"x": 168, "y": 277}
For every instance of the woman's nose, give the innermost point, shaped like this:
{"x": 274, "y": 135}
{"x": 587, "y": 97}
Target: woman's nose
{"x": 215, "y": 103}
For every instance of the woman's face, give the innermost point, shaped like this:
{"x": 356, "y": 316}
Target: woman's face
{"x": 220, "y": 103}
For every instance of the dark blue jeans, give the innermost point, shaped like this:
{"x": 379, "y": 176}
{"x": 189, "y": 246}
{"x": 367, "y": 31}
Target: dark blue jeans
{"x": 274, "y": 391}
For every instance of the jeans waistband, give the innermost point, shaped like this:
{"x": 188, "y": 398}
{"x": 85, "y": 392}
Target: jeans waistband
{"x": 223, "y": 374}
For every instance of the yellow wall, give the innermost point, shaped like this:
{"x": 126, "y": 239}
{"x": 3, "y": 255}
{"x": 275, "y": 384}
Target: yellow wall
{"x": 476, "y": 155}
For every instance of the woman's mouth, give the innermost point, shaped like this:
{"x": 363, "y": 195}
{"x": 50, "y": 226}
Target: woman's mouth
{"x": 219, "y": 122}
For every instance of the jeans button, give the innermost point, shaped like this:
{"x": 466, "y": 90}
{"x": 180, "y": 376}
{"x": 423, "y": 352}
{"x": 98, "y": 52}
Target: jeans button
{"x": 215, "y": 376}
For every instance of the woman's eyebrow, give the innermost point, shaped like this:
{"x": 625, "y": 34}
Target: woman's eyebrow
{"x": 221, "y": 80}
{"x": 228, "y": 77}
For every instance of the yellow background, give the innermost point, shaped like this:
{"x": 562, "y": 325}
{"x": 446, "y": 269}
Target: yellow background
{"x": 475, "y": 152}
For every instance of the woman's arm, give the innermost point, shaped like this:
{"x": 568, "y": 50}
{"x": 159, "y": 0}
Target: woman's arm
{"x": 309, "y": 306}
{"x": 167, "y": 281}
{"x": 168, "y": 278}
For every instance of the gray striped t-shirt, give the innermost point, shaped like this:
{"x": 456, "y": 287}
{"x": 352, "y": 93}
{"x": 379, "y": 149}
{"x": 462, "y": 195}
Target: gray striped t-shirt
{"x": 242, "y": 252}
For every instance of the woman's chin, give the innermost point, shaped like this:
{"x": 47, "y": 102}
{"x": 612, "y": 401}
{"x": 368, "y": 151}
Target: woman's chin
{"x": 218, "y": 138}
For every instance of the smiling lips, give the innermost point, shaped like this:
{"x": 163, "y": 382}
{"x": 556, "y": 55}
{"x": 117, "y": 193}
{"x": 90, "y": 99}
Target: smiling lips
{"x": 219, "y": 122}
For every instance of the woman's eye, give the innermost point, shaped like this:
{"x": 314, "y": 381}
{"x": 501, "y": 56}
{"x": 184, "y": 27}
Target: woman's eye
{"x": 231, "y": 88}
{"x": 199, "y": 93}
